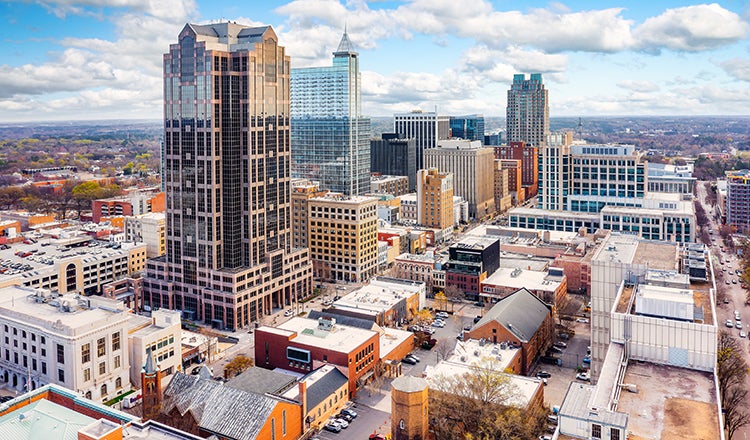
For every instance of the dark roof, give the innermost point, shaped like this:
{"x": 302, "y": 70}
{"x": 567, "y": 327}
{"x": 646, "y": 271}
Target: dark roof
{"x": 259, "y": 380}
{"x": 324, "y": 387}
{"x": 343, "y": 319}
{"x": 244, "y": 34}
{"x": 219, "y": 409}
{"x": 521, "y": 313}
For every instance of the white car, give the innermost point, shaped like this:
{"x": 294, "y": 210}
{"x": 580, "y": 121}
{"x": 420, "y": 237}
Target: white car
{"x": 583, "y": 320}
{"x": 730, "y": 324}
{"x": 742, "y": 334}
{"x": 288, "y": 313}
{"x": 343, "y": 423}
{"x": 583, "y": 376}
{"x": 438, "y": 323}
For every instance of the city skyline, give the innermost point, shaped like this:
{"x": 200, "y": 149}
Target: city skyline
{"x": 67, "y": 60}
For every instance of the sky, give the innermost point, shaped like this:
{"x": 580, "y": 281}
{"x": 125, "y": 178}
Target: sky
{"x": 102, "y": 59}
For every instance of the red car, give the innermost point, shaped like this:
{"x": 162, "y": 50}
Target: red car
{"x": 377, "y": 437}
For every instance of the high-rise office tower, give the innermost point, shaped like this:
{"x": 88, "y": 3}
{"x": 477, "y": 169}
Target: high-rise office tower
{"x": 230, "y": 257}
{"x": 427, "y": 128}
{"x": 435, "y": 202}
{"x": 394, "y": 155}
{"x": 330, "y": 137}
{"x": 527, "y": 114}
{"x": 529, "y": 157}
{"x": 469, "y": 127}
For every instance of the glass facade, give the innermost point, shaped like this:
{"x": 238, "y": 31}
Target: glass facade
{"x": 469, "y": 127}
{"x": 330, "y": 138}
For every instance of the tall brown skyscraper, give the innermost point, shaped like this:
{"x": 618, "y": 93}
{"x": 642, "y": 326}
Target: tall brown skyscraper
{"x": 227, "y": 175}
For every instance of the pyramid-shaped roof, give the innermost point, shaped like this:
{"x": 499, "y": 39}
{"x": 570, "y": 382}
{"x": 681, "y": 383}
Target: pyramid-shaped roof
{"x": 345, "y": 46}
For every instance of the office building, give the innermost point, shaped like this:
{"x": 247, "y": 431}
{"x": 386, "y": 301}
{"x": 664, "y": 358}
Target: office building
{"x": 527, "y": 114}
{"x": 136, "y": 203}
{"x": 394, "y": 155}
{"x": 515, "y": 189}
{"x": 472, "y": 167}
{"x": 554, "y": 176}
{"x": 330, "y": 137}
{"x": 302, "y": 191}
{"x": 435, "y": 202}
{"x": 150, "y": 229}
{"x": 472, "y": 260}
{"x": 76, "y": 342}
{"x": 343, "y": 237}
{"x": 162, "y": 334}
{"x": 470, "y": 127}
{"x": 670, "y": 178}
{"x": 230, "y": 258}
{"x": 738, "y": 199}
{"x": 503, "y": 198}
{"x": 426, "y": 128}
{"x": 391, "y": 185}
{"x": 529, "y": 157}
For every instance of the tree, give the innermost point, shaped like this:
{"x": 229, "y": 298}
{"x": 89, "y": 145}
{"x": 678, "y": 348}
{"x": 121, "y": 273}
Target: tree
{"x": 423, "y": 317}
{"x": 237, "y": 366}
{"x": 731, "y": 368}
{"x": 441, "y": 301}
{"x": 568, "y": 306}
{"x": 443, "y": 349}
{"x": 734, "y": 415}
{"x": 479, "y": 405}
{"x": 454, "y": 294}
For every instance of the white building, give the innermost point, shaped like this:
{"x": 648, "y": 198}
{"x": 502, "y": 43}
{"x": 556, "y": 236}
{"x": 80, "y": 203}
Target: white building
{"x": 162, "y": 332}
{"x": 69, "y": 340}
{"x": 150, "y": 229}
{"x": 409, "y": 207}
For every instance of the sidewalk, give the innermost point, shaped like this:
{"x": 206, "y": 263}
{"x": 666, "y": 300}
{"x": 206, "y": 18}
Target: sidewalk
{"x": 380, "y": 400}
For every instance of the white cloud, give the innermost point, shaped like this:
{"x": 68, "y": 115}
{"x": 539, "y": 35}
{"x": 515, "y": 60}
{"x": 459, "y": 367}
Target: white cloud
{"x": 738, "y": 68}
{"x": 691, "y": 29}
{"x": 638, "y": 86}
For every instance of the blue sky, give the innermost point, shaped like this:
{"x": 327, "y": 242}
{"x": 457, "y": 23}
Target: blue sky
{"x": 101, "y": 59}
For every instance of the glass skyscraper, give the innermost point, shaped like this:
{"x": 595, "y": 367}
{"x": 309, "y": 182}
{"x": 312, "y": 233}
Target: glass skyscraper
{"x": 470, "y": 127}
{"x": 227, "y": 174}
{"x": 330, "y": 137}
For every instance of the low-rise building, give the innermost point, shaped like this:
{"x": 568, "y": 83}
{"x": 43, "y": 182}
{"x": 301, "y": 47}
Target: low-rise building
{"x": 384, "y": 300}
{"x": 150, "y": 229}
{"x": 385, "y": 184}
{"x": 162, "y": 333}
{"x": 550, "y": 286}
{"x": 520, "y": 319}
{"x": 416, "y": 267}
{"x": 136, "y": 203}
{"x": 69, "y": 340}
{"x": 471, "y": 260}
{"x": 322, "y": 392}
{"x": 302, "y": 345}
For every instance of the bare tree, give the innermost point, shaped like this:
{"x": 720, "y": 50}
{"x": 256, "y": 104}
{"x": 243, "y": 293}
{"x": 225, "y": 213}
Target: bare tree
{"x": 731, "y": 368}
{"x": 443, "y": 350}
{"x": 478, "y": 405}
{"x": 735, "y": 416}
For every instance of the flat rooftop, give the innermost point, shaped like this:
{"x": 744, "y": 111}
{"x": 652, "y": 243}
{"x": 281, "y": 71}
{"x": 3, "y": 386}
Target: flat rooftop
{"x": 379, "y": 295}
{"x": 21, "y": 304}
{"x": 391, "y": 338}
{"x": 518, "y": 278}
{"x": 672, "y": 403}
{"x": 474, "y": 242}
{"x": 340, "y": 338}
{"x": 472, "y": 351}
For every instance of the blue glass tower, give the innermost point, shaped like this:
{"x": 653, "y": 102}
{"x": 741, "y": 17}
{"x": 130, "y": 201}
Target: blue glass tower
{"x": 330, "y": 137}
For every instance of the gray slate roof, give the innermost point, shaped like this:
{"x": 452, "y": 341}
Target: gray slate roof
{"x": 521, "y": 313}
{"x": 226, "y": 411}
{"x": 324, "y": 387}
{"x": 261, "y": 381}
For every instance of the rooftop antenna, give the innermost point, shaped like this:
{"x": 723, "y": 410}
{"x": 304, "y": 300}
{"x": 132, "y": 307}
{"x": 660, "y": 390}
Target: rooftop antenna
{"x": 580, "y": 129}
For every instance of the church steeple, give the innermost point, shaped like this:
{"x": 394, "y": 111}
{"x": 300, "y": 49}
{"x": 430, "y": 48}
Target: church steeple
{"x": 151, "y": 387}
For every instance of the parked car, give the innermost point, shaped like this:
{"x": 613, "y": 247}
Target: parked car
{"x": 413, "y": 356}
{"x": 344, "y": 416}
{"x": 730, "y": 324}
{"x": 409, "y": 360}
{"x": 560, "y": 344}
{"x": 443, "y": 315}
{"x": 377, "y": 437}
{"x": 343, "y": 423}
{"x": 543, "y": 374}
{"x": 439, "y": 323}
{"x": 738, "y": 324}
{"x": 583, "y": 320}
{"x": 351, "y": 412}
{"x": 587, "y": 359}
{"x": 545, "y": 437}
{"x": 332, "y": 426}
{"x": 288, "y": 313}
{"x": 742, "y": 334}
{"x": 564, "y": 336}
{"x": 552, "y": 419}
{"x": 583, "y": 376}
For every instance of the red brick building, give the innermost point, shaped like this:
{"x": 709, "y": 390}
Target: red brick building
{"x": 522, "y": 319}
{"x": 528, "y": 155}
{"x": 134, "y": 204}
{"x": 303, "y": 345}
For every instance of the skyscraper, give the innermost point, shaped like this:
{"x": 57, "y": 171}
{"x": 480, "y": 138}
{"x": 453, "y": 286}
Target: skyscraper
{"x": 230, "y": 258}
{"x": 330, "y": 137}
{"x": 395, "y": 156}
{"x": 469, "y": 127}
{"x": 527, "y": 114}
{"x": 427, "y": 128}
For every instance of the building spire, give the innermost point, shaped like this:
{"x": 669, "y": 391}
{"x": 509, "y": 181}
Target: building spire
{"x": 150, "y": 367}
{"x": 345, "y": 45}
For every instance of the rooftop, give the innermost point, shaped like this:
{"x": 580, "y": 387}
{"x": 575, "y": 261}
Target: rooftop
{"x": 259, "y": 380}
{"x": 380, "y": 294}
{"x": 521, "y": 313}
{"x": 672, "y": 403}
{"x": 519, "y": 278}
{"x": 340, "y": 338}
{"x": 474, "y": 242}
{"x": 321, "y": 384}
{"x": 64, "y": 314}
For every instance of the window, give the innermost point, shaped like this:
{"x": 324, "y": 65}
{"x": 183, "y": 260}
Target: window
{"x": 101, "y": 347}
{"x": 402, "y": 424}
{"x": 283, "y": 422}
{"x": 102, "y": 368}
{"x": 104, "y": 390}
{"x": 86, "y": 353}
{"x": 60, "y": 375}
{"x": 614, "y": 433}
{"x": 44, "y": 367}
{"x": 118, "y": 382}
{"x": 273, "y": 429}
{"x": 596, "y": 431}
{"x": 115, "y": 341}
{"x": 60, "y": 354}
{"x": 117, "y": 361}
{"x": 87, "y": 374}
